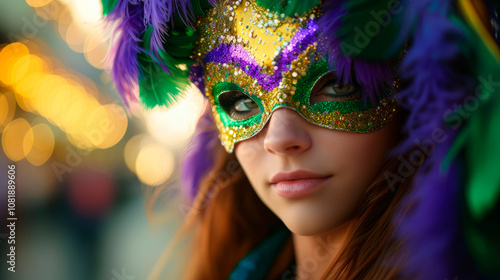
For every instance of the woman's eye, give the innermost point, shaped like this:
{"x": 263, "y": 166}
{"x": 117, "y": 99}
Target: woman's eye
{"x": 337, "y": 89}
{"x": 244, "y": 105}
{"x": 329, "y": 89}
{"x": 238, "y": 105}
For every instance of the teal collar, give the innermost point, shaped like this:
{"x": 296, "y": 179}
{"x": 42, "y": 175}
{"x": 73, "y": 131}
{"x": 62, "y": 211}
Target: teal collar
{"x": 257, "y": 263}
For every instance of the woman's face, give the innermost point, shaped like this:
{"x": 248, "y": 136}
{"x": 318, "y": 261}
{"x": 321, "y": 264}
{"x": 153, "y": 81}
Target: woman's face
{"x": 312, "y": 177}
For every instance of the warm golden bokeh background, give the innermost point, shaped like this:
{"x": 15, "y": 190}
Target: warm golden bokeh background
{"x": 85, "y": 163}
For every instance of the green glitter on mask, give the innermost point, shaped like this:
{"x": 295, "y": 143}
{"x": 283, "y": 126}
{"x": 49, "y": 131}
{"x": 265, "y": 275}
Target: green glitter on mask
{"x": 221, "y": 87}
{"x": 304, "y": 89}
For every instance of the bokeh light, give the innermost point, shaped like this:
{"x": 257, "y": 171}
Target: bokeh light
{"x": 86, "y": 12}
{"x": 117, "y": 126}
{"x": 63, "y": 23}
{"x": 154, "y": 164}
{"x": 62, "y": 99}
{"x": 13, "y": 139}
{"x": 133, "y": 147}
{"x": 9, "y": 56}
{"x": 38, "y": 3}
{"x": 174, "y": 126}
{"x": 75, "y": 36}
{"x": 40, "y": 140}
{"x": 7, "y": 108}
{"x": 96, "y": 49}
{"x": 50, "y": 11}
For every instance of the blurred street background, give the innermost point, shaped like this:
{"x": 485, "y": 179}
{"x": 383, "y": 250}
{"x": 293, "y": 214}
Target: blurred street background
{"x": 85, "y": 163}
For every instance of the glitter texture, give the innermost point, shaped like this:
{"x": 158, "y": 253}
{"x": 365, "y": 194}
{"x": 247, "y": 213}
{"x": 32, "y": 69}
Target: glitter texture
{"x": 275, "y": 60}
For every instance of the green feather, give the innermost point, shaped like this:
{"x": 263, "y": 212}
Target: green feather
{"x": 479, "y": 143}
{"x": 369, "y": 29}
{"x": 181, "y": 44}
{"x": 199, "y": 7}
{"x": 157, "y": 88}
{"x": 288, "y": 7}
{"x": 108, "y": 6}
{"x": 482, "y": 189}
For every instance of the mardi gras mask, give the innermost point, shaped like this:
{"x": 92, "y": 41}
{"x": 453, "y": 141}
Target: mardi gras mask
{"x": 256, "y": 61}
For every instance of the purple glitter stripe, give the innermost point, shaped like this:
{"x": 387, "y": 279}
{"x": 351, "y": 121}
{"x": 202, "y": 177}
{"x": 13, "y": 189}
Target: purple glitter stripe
{"x": 226, "y": 53}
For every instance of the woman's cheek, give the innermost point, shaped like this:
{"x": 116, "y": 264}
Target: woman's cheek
{"x": 250, "y": 159}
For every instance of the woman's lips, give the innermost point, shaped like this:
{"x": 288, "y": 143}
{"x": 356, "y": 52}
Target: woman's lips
{"x": 298, "y": 183}
{"x": 298, "y": 188}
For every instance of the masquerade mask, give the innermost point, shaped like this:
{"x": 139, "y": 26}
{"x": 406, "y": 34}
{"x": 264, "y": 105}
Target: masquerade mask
{"x": 256, "y": 61}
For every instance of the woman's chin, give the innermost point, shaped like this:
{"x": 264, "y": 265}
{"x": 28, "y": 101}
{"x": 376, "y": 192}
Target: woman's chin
{"x": 306, "y": 225}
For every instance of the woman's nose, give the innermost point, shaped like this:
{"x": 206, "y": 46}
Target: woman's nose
{"x": 286, "y": 133}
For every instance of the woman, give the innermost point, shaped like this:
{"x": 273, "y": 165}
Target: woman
{"x": 303, "y": 98}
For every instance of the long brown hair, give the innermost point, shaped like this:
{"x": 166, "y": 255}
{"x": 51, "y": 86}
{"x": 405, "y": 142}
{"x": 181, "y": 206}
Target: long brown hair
{"x": 373, "y": 251}
{"x": 232, "y": 220}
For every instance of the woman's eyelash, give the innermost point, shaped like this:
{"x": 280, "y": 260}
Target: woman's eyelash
{"x": 227, "y": 101}
{"x": 340, "y": 86}
{"x": 328, "y": 88}
{"x": 329, "y": 83}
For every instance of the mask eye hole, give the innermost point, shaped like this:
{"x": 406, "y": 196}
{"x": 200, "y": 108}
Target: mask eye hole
{"x": 329, "y": 89}
{"x": 238, "y": 105}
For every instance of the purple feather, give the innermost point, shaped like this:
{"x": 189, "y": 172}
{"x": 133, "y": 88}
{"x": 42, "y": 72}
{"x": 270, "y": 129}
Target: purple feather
{"x": 331, "y": 21}
{"x": 370, "y": 75}
{"x": 129, "y": 19}
{"x": 196, "y": 77}
{"x": 437, "y": 82}
{"x": 433, "y": 228}
{"x": 158, "y": 14}
{"x": 185, "y": 10}
{"x": 199, "y": 156}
